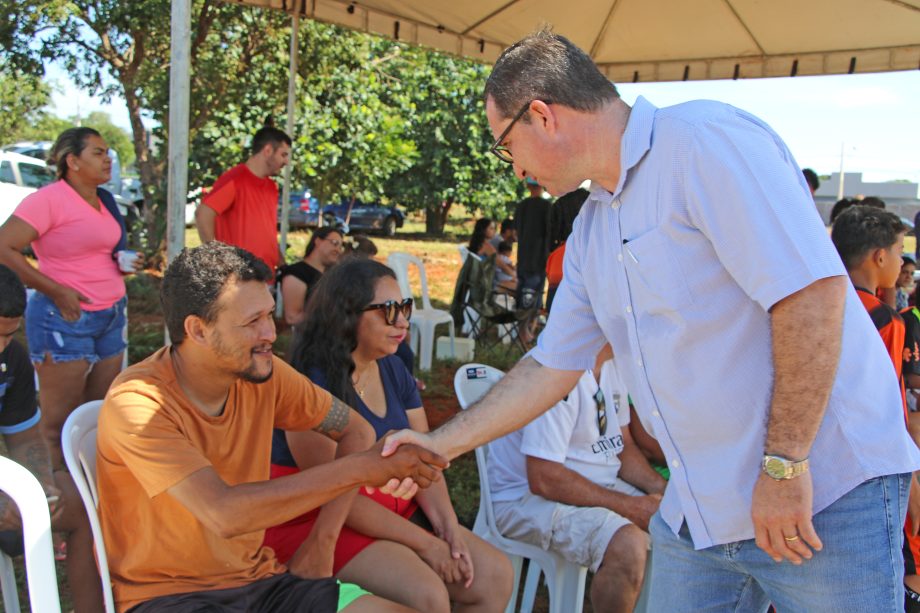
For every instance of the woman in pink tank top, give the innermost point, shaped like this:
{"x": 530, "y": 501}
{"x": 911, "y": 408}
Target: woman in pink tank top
{"x": 75, "y": 319}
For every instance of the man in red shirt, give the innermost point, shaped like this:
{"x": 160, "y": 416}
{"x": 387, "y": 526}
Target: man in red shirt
{"x": 241, "y": 208}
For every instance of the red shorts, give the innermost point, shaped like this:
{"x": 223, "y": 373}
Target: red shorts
{"x": 286, "y": 538}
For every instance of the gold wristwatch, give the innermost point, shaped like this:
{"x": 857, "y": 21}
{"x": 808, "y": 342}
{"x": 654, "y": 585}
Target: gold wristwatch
{"x": 778, "y": 467}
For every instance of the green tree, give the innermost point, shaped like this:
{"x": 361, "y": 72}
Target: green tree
{"x": 447, "y": 123}
{"x": 23, "y": 97}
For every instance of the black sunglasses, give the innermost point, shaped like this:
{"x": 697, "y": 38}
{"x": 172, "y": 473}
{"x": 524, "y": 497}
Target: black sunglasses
{"x": 391, "y": 310}
{"x": 601, "y": 405}
{"x": 498, "y": 149}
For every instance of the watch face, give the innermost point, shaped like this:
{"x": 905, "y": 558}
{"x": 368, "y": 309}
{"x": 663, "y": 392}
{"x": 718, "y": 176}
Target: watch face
{"x": 775, "y": 468}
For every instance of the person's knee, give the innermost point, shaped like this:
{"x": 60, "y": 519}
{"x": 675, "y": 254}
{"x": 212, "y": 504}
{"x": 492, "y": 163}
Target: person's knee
{"x": 494, "y": 577}
{"x": 430, "y": 596}
{"x": 626, "y": 555}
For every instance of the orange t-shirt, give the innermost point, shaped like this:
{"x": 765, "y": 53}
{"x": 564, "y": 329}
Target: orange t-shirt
{"x": 247, "y": 213}
{"x": 150, "y": 438}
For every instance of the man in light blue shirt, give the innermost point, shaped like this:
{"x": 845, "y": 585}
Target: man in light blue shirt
{"x": 700, "y": 258}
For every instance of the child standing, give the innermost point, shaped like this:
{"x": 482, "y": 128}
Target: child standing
{"x": 870, "y": 242}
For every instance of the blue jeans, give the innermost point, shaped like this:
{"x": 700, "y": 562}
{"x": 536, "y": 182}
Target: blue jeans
{"x": 859, "y": 569}
{"x": 95, "y": 336}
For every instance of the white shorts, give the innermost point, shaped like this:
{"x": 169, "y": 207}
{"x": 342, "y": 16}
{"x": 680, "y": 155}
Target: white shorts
{"x": 578, "y": 534}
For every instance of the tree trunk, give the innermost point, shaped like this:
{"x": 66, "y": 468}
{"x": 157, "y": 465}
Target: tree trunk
{"x": 150, "y": 175}
{"x": 436, "y": 217}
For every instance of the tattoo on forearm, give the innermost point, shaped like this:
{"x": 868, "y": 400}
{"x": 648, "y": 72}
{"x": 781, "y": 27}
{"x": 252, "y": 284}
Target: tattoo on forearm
{"x": 336, "y": 419}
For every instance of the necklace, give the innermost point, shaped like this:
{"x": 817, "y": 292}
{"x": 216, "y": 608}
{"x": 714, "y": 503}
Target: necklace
{"x": 356, "y": 383}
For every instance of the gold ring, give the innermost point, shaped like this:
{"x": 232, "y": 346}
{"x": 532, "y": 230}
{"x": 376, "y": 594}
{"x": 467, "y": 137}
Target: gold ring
{"x": 792, "y": 538}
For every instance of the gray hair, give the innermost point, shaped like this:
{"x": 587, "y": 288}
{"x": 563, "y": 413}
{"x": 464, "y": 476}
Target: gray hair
{"x": 548, "y": 67}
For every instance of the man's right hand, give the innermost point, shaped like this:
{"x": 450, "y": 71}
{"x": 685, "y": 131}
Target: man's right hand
{"x": 68, "y": 302}
{"x": 643, "y": 507}
{"x": 409, "y": 461}
{"x": 394, "y": 439}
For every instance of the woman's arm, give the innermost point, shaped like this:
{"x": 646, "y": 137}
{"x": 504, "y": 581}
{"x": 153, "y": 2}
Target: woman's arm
{"x": 15, "y": 235}
{"x": 435, "y": 502}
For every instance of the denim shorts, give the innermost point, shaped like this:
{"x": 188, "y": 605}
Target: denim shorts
{"x": 97, "y": 335}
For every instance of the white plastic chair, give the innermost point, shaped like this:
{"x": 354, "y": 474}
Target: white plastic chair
{"x": 426, "y": 318}
{"x": 566, "y": 581}
{"x": 8, "y": 584}
{"x": 41, "y": 577}
{"x": 78, "y": 442}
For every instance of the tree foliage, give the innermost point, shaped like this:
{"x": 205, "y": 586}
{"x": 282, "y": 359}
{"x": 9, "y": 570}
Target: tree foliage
{"x": 23, "y": 97}
{"x": 376, "y": 119}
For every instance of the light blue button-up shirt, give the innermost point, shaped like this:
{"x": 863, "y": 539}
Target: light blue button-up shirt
{"x": 712, "y": 224}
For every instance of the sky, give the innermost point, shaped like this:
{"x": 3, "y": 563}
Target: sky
{"x": 875, "y": 118}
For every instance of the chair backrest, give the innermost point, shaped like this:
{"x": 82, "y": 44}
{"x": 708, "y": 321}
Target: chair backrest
{"x": 400, "y": 263}
{"x": 471, "y": 382}
{"x": 464, "y": 253}
{"x": 78, "y": 442}
{"x": 41, "y": 577}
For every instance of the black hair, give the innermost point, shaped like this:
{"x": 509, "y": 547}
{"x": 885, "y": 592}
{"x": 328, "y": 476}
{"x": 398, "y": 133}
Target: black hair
{"x": 861, "y": 229}
{"x": 811, "y": 177}
{"x": 194, "y": 281}
{"x": 874, "y": 201}
{"x": 71, "y": 141}
{"x": 330, "y": 329}
{"x": 479, "y": 234}
{"x": 12, "y": 294}
{"x": 323, "y": 232}
{"x": 504, "y": 247}
{"x": 840, "y": 206}
{"x": 269, "y": 136}
{"x": 906, "y": 259}
{"x": 507, "y": 224}
{"x": 548, "y": 67}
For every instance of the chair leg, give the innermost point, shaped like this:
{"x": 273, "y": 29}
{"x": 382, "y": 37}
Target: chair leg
{"x": 534, "y": 572}
{"x": 8, "y": 584}
{"x": 426, "y": 343}
{"x": 516, "y": 563}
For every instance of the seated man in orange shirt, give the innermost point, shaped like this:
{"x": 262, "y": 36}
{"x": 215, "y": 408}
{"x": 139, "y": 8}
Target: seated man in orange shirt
{"x": 242, "y": 207}
{"x": 184, "y": 448}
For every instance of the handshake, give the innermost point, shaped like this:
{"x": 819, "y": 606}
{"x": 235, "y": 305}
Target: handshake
{"x": 399, "y": 467}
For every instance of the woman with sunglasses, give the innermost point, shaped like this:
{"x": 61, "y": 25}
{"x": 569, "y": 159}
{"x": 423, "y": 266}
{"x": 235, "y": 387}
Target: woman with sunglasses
{"x": 413, "y": 552}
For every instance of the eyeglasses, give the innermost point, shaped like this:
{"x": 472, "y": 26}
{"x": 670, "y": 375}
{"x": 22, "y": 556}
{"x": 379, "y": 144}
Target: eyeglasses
{"x": 335, "y": 242}
{"x": 498, "y": 149}
{"x": 391, "y": 310}
{"x": 601, "y": 405}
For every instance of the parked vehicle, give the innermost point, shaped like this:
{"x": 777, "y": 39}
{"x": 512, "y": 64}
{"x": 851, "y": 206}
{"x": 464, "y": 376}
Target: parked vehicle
{"x": 373, "y": 217}
{"x": 20, "y": 175}
{"x": 304, "y": 212}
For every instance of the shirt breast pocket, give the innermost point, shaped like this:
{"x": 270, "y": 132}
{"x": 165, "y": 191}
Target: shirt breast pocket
{"x": 657, "y": 284}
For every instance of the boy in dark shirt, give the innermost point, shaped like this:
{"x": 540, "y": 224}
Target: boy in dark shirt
{"x": 19, "y": 417}
{"x": 870, "y": 242}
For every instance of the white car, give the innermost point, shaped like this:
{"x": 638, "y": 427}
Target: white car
{"x": 20, "y": 175}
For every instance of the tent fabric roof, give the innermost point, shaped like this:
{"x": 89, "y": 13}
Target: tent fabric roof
{"x": 654, "y": 40}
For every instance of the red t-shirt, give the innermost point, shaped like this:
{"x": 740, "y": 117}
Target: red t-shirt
{"x": 247, "y": 213}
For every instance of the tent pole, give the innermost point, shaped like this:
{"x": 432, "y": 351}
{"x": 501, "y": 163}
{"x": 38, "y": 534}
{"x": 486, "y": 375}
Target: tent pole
{"x": 179, "y": 85}
{"x": 291, "y": 110}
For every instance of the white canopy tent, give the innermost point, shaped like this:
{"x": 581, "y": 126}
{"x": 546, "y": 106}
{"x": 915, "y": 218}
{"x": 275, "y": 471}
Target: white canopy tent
{"x": 630, "y": 40}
